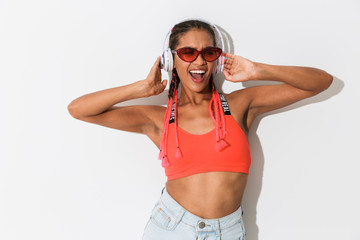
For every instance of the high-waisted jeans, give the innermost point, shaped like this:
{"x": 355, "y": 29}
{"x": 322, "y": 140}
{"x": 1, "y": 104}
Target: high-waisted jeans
{"x": 170, "y": 221}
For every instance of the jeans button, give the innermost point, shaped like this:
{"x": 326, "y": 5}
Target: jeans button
{"x": 201, "y": 225}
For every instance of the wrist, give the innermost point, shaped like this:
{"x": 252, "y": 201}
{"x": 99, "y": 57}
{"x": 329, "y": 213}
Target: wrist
{"x": 138, "y": 89}
{"x": 145, "y": 88}
{"x": 259, "y": 71}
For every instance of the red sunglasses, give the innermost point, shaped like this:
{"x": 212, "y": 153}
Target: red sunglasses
{"x": 189, "y": 54}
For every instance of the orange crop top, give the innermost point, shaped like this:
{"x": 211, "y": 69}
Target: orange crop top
{"x": 199, "y": 154}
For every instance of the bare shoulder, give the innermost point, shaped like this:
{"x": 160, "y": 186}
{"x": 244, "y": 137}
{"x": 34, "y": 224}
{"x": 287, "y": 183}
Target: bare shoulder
{"x": 240, "y": 95}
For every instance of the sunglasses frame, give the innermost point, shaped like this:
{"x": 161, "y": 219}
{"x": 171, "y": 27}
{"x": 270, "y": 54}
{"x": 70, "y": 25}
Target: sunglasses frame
{"x": 197, "y": 53}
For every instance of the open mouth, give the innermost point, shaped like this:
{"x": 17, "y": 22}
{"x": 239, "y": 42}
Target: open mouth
{"x": 197, "y": 75}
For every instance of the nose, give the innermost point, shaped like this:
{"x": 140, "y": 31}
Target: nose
{"x": 199, "y": 60}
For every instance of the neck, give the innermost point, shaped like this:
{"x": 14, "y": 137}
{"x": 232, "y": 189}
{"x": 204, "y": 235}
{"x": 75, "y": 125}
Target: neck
{"x": 194, "y": 98}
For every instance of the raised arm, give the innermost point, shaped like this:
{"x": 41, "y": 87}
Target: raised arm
{"x": 297, "y": 83}
{"x": 98, "y": 107}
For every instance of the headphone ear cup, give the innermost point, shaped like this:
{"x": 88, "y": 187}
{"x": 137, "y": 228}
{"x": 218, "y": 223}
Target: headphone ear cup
{"x": 167, "y": 60}
{"x": 219, "y": 64}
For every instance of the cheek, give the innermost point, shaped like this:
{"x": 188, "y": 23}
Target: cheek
{"x": 178, "y": 63}
{"x": 181, "y": 66}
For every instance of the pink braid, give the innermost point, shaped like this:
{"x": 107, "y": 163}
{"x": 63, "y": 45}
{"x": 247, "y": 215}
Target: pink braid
{"x": 210, "y": 108}
{"x": 222, "y": 115}
{"x": 165, "y": 158}
{"x": 178, "y": 151}
{"x": 212, "y": 100}
{"x": 223, "y": 143}
{"x": 163, "y": 133}
{"x": 166, "y": 117}
{"x": 163, "y": 148}
{"x": 219, "y": 119}
{"x": 217, "y": 123}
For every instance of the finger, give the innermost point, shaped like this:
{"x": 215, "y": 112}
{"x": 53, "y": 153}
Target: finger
{"x": 226, "y": 73}
{"x": 228, "y": 76}
{"x": 228, "y": 62}
{"x": 158, "y": 74}
{"x": 155, "y": 69}
{"x": 156, "y": 63}
{"x": 227, "y": 68}
{"x": 228, "y": 55}
{"x": 164, "y": 82}
{"x": 228, "y": 65}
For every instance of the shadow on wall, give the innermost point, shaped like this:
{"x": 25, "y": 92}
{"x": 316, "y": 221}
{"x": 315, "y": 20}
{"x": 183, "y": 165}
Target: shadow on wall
{"x": 254, "y": 183}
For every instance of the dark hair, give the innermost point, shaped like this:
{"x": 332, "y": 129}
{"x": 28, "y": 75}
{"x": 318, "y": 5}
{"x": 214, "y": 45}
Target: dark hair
{"x": 183, "y": 27}
{"x": 179, "y": 30}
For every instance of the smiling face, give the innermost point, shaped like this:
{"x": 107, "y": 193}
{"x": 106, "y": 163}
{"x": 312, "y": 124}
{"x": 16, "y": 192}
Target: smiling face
{"x": 194, "y": 76}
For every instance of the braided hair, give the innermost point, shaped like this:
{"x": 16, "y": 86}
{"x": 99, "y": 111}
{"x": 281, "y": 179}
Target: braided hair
{"x": 215, "y": 105}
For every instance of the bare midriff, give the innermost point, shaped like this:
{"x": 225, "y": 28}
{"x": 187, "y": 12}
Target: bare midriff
{"x": 209, "y": 195}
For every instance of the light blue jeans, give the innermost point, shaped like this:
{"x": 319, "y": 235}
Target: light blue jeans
{"x": 170, "y": 221}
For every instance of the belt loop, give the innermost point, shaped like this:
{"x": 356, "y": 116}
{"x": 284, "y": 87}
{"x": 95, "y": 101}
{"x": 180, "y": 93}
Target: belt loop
{"x": 179, "y": 217}
{"x": 162, "y": 191}
{"x": 218, "y": 227}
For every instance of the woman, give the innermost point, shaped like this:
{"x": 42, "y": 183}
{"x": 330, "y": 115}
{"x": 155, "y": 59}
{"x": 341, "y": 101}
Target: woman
{"x": 201, "y": 134}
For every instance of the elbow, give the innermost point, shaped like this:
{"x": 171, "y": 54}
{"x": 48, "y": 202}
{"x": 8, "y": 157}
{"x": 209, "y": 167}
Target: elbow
{"x": 72, "y": 111}
{"x": 328, "y": 79}
{"x": 324, "y": 83}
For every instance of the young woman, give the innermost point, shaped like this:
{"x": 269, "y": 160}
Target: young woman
{"x": 201, "y": 134}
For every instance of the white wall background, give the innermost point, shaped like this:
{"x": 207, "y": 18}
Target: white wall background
{"x": 64, "y": 179}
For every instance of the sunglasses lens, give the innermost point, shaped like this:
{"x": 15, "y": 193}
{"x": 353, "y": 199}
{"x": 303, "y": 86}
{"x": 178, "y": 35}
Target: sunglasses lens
{"x": 190, "y": 54}
{"x": 187, "y": 54}
{"x": 211, "y": 54}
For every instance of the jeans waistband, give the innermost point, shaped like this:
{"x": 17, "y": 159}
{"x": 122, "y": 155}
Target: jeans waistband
{"x": 179, "y": 212}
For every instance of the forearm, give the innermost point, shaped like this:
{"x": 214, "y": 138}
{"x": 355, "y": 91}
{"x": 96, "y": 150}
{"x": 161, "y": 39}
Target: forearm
{"x": 305, "y": 78}
{"x": 95, "y": 103}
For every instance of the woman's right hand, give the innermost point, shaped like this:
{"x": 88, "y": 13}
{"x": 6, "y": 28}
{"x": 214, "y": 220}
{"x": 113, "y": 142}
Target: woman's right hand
{"x": 153, "y": 80}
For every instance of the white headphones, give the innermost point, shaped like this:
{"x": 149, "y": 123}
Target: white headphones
{"x": 167, "y": 61}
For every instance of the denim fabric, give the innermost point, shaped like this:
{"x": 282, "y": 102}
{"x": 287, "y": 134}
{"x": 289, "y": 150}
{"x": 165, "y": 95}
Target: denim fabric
{"x": 170, "y": 221}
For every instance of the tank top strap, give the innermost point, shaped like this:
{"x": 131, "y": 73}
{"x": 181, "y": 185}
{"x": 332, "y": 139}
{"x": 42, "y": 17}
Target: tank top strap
{"x": 172, "y": 115}
{"x": 224, "y": 105}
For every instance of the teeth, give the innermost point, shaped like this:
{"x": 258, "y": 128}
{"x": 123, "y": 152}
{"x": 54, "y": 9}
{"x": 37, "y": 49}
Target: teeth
{"x": 197, "y": 71}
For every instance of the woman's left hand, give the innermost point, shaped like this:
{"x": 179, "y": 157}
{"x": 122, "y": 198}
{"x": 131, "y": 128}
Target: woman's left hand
{"x": 238, "y": 69}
